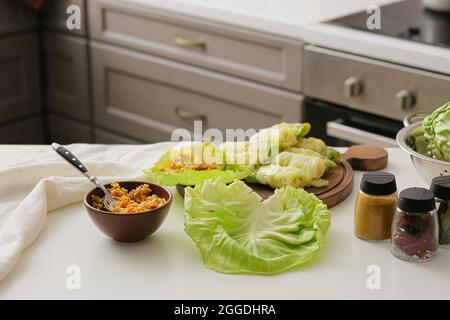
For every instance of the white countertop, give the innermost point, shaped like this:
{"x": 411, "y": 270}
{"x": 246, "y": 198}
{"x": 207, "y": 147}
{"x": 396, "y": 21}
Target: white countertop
{"x": 168, "y": 266}
{"x": 302, "y": 20}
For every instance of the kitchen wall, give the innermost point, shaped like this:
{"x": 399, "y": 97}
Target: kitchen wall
{"x": 21, "y": 118}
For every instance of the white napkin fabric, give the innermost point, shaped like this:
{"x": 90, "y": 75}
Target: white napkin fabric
{"x": 43, "y": 182}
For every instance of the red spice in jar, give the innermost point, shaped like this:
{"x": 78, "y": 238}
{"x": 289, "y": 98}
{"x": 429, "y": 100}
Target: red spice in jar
{"x": 415, "y": 226}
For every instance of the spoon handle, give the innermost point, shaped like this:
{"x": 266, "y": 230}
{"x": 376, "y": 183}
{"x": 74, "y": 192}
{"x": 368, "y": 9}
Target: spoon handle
{"x": 69, "y": 157}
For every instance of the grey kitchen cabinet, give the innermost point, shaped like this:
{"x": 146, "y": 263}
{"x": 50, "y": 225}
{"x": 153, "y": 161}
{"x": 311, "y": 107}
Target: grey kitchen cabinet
{"x": 65, "y": 131}
{"x": 243, "y": 53}
{"x": 107, "y": 137}
{"x": 14, "y": 17}
{"x": 147, "y": 97}
{"x": 67, "y": 75}
{"x": 19, "y": 76}
{"x": 55, "y": 16}
{"x": 24, "y": 131}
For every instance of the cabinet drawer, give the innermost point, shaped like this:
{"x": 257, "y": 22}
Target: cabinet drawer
{"x": 19, "y": 77}
{"x": 106, "y": 137}
{"x": 66, "y": 67}
{"x": 55, "y": 15}
{"x": 67, "y": 131}
{"x": 15, "y": 18}
{"x": 28, "y": 131}
{"x": 148, "y": 97}
{"x": 267, "y": 59}
{"x": 383, "y": 86}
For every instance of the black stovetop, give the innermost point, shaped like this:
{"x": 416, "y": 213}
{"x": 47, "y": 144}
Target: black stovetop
{"x": 405, "y": 20}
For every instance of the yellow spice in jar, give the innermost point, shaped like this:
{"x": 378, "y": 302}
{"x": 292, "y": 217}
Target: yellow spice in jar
{"x": 373, "y": 216}
{"x": 375, "y": 206}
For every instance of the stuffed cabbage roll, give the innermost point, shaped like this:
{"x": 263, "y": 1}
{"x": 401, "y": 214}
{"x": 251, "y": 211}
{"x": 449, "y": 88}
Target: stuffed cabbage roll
{"x": 319, "y": 146}
{"x": 330, "y": 165}
{"x": 277, "y": 176}
{"x": 281, "y": 136}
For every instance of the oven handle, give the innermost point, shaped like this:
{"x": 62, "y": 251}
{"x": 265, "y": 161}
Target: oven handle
{"x": 338, "y": 130}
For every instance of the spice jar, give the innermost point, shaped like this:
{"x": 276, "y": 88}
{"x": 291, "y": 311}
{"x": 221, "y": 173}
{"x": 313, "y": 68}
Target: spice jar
{"x": 375, "y": 206}
{"x": 415, "y": 226}
{"x": 440, "y": 186}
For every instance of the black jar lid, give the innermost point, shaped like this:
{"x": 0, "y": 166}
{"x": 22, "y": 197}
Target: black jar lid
{"x": 440, "y": 186}
{"x": 378, "y": 183}
{"x": 416, "y": 200}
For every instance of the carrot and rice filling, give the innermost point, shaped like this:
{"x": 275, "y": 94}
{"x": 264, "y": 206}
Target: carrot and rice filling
{"x": 137, "y": 200}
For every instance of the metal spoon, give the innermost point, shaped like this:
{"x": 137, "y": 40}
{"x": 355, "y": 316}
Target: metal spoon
{"x": 69, "y": 157}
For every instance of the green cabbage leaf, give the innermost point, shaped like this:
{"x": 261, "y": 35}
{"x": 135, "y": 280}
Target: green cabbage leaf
{"x": 236, "y": 232}
{"x": 436, "y": 129}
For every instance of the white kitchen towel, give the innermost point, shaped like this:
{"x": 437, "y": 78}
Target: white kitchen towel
{"x": 43, "y": 182}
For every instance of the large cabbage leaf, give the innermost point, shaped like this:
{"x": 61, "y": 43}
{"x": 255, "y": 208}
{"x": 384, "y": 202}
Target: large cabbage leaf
{"x": 236, "y": 232}
{"x": 437, "y": 132}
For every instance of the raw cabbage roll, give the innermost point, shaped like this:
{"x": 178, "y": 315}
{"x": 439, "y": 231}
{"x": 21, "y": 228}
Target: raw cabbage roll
{"x": 281, "y": 136}
{"x": 313, "y": 167}
{"x": 277, "y": 176}
{"x": 330, "y": 165}
{"x": 319, "y": 146}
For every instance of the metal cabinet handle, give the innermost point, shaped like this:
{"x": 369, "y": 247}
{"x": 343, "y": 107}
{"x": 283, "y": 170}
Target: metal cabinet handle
{"x": 189, "y": 115}
{"x": 405, "y": 100}
{"x": 340, "y": 131}
{"x": 189, "y": 43}
{"x": 353, "y": 87}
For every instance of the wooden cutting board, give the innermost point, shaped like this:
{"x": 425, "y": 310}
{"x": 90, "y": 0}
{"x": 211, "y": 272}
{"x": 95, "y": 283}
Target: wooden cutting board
{"x": 340, "y": 185}
{"x": 360, "y": 157}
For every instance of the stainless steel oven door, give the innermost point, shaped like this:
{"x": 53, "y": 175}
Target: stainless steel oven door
{"x": 341, "y": 126}
{"x": 337, "y": 129}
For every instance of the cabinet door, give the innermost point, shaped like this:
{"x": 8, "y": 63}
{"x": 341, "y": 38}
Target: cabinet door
{"x": 19, "y": 77}
{"x": 66, "y": 67}
{"x": 27, "y": 131}
{"x": 66, "y": 131}
{"x": 15, "y": 18}
{"x": 252, "y": 55}
{"x": 55, "y": 15}
{"x": 148, "y": 98}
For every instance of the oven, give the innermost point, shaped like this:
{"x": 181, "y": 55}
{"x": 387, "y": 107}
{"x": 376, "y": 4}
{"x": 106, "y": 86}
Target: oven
{"x": 338, "y": 126}
{"x": 351, "y": 99}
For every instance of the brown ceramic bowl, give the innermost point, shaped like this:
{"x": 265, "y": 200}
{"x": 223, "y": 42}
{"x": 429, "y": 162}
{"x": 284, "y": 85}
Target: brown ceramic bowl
{"x": 131, "y": 226}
